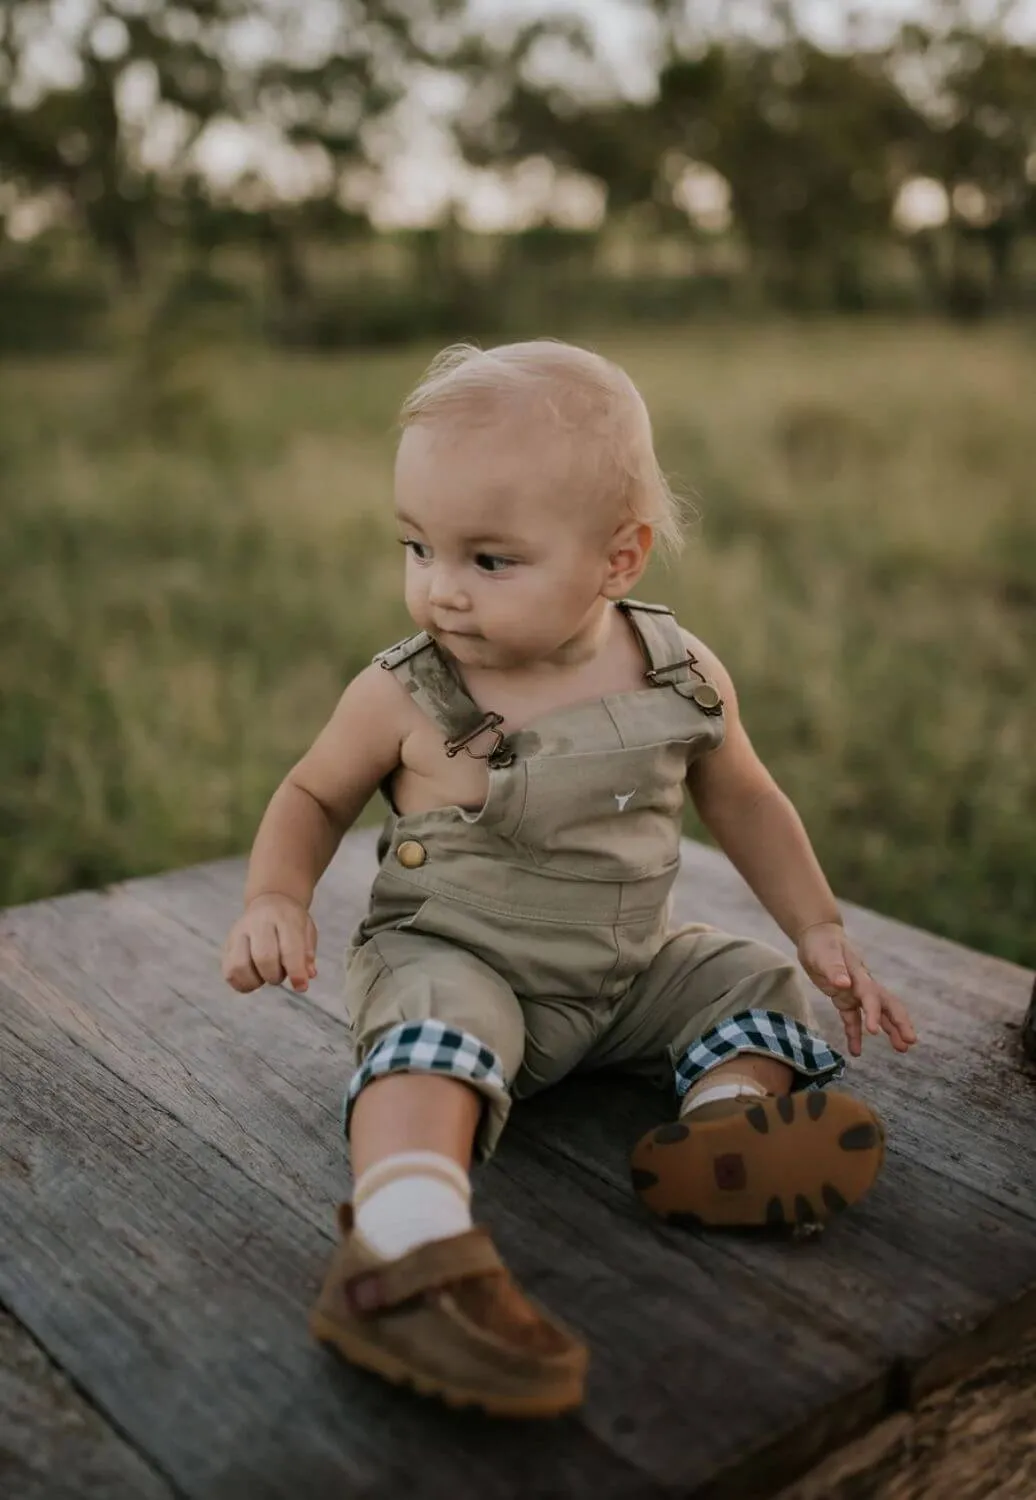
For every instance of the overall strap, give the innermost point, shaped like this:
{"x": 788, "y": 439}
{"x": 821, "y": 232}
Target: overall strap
{"x": 670, "y": 664}
{"x": 421, "y": 668}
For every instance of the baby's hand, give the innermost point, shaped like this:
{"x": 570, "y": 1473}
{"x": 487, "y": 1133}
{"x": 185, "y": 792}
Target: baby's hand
{"x": 836, "y": 968}
{"x": 275, "y": 938}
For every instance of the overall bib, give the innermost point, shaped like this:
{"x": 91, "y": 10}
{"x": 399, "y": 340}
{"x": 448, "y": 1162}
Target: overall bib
{"x": 509, "y": 946}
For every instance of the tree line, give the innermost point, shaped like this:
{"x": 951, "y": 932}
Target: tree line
{"x": 823, "y": 159}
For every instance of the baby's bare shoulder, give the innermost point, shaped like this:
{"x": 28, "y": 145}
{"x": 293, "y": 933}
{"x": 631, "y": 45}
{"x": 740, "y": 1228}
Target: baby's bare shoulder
{"x": 373, "y": 692}
{"x": 359, "y": 746}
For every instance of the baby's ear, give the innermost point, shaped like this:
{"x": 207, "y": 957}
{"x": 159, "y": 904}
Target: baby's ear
{"x": 628, "y": 553}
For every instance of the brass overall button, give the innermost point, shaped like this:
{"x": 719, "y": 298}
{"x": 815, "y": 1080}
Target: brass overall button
{"x": 411, "y": 854}
{"x": 706, "y": 696}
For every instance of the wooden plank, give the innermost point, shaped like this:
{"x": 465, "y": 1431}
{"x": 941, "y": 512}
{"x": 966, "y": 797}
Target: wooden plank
{"x": 146, "y": 998}
{"x": 174, "y": 1038}
{"x": 1029, "y": 1029}
{"x": 257, "y": 1076}
{"x": 959, "y": 1268}
{"x": 206, "y": 899}
{"x": 53, "y": 1444}
{"x": 630, "y": 1302}
{"x": 171, "y": 1288}
{"x": 943, "y": 1228}
{"x": 970, "y": 1441}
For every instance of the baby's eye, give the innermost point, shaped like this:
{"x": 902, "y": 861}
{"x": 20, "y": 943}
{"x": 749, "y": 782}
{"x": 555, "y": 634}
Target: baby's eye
{"x": 420, "y": 550}
{"x": 488, "y": 562}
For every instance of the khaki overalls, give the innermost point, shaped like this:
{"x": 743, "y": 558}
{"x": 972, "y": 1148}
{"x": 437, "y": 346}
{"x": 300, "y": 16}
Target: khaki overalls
{"x": 509, "y": 946}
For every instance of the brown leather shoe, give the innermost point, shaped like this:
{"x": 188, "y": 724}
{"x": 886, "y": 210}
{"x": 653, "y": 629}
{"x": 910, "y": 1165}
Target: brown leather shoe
{"x": 448, "y": 1320}
{"x": 775, "y": 1161}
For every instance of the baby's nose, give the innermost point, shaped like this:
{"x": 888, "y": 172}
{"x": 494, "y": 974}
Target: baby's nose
{"x": 446, "y": 590}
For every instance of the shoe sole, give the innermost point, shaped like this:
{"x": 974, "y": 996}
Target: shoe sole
{"x": 390, "y": 1367}
{"x": 795, "y": 1160}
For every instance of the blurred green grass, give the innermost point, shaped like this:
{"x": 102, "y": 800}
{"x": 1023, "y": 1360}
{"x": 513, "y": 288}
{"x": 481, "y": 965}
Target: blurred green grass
{"x": 196, "y": 556}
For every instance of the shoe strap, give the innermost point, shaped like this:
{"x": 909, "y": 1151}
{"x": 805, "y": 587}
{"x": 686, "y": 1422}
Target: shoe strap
{"x": 430, "y": 1266}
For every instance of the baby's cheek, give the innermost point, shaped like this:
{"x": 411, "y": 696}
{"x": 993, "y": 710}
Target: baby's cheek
{"x": 415, "y": 595}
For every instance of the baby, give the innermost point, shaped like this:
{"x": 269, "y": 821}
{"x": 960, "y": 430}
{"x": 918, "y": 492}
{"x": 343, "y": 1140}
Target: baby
{"x": 534, "y": 742}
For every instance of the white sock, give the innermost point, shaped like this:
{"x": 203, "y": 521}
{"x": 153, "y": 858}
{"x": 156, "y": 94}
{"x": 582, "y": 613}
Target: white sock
{"x": 735, "y": 1088}
{"x": 405, "y": 1200}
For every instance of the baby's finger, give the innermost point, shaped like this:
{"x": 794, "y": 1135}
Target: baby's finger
{"x": 853, "y": 1031}
{"x": 293, "y": 954}
{"x": 896, "y": 1022}
{"x": 898, "y": 1043}
{"x": 266, "y": 953}
{"x": 311, "y": 947}
{"x": 238, "y": 969}
{"x": 868, "y": 992}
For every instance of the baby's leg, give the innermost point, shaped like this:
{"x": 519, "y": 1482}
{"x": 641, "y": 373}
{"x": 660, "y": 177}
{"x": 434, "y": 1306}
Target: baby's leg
{"x": 732, "y": 1020}
{"x": 413, "y": 1112}
{"x": 415, "y": 1292}
{"x": 411, "y": 1137}
{"x": 439, "y": 1038}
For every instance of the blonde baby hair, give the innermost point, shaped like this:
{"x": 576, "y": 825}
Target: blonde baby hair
{"x": 581, "y": 393}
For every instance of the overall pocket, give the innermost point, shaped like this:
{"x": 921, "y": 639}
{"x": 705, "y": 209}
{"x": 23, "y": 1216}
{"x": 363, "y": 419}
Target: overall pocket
{"x": 612, "y": 815}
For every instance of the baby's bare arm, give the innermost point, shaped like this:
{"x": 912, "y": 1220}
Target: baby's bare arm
{"x": 762, "y": 835}
{"x": 753, "y": 821}
{"x": 314, "y": 805}
{"x": 326, "y": 791}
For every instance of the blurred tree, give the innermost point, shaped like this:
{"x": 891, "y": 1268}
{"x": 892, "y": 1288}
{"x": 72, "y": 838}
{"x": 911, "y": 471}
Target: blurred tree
{"x": 814, "y": 144}
{"x": 806, "y": 140}
{"x": 108, "y": 106}
{"x": 510, "y": 114}
{"x": 261, "y": 64}
{"x": 976, "y": 91}
{"x": 71, "y": 138}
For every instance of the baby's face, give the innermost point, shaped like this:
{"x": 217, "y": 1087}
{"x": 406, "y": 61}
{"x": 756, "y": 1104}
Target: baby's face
{"x": 503, "y": 565}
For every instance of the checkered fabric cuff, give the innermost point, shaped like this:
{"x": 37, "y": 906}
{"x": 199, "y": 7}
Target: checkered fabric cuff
{"x": 762, "y": 1031}
{"x": 427, "y": 1047}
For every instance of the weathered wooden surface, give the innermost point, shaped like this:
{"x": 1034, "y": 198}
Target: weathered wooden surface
{"x": 53, "y": 1444}
{"x": 1029, "y": 1028}
{"x": 169, "y": 1163}
{"x": 974, "y": 1440}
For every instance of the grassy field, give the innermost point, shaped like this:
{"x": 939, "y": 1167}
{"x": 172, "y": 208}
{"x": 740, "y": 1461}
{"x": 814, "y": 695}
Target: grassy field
{"x": 195, "y": 555}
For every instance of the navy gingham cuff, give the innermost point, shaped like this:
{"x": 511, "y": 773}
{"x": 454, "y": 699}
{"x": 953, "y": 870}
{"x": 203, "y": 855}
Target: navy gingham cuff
{"x": 427, "y": 1047}
{"x": 767, "y": 1032}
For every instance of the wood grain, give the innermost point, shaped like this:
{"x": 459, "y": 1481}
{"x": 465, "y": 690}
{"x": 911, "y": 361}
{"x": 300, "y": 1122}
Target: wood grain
{"x": 172, "y": 1289}
{"x": 970, "y": 1441}
{"x": 204, "y": 1064}
{"x": 53, "y": 1444}
{"x": 177, "y": 1145}
{"x": 1029, "y": 1029}
{"x": 89, "y": 983}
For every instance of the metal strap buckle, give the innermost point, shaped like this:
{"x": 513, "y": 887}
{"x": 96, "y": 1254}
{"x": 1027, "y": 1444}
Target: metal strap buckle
{"x": 488, "y": 725}
{"x": 703, "y": 692}
{"x": 656, "y": 674}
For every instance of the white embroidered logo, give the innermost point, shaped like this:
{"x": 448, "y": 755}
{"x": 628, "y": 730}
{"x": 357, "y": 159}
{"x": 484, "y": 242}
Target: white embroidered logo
{"x": 623, "y": 797}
